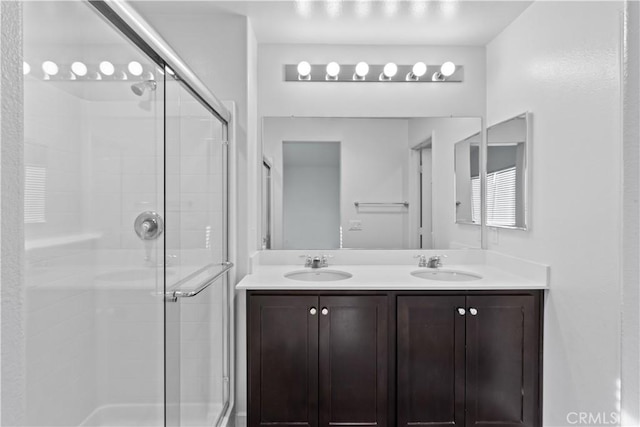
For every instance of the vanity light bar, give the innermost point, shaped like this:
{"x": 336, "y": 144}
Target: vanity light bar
{"x": 375, "y": 73}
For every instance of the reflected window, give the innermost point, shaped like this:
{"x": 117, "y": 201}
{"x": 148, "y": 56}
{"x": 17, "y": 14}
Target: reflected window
{"x": 476, "y": 200}
{"x": 501, "y": 197}
{"x": 35, "y": 186}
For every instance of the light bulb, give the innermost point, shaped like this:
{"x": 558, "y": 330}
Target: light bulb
{"x": 304, "y": 69}
{"x": 79, "y": 69}
{"x": 26, "y": 68}
{"x": 333, "y": 69}
{"x": 419, "y": 68}
{"x": 107, "y": 68}
{"x": 390, "y": 70}
{"x": 448, "y": 68}
{"x": 135, "y": 68}
{"x": 362, "y": 69}
{"x": 50, "y": 68}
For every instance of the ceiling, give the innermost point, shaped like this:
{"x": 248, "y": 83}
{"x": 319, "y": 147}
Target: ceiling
{"x": 395, "y": 22}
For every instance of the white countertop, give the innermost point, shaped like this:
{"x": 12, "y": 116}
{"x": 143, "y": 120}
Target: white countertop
{"x": 388, "y": 277}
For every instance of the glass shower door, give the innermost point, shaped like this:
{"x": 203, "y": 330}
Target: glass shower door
{"x": 197, "y": 308}
{"x": 93, "y": 205}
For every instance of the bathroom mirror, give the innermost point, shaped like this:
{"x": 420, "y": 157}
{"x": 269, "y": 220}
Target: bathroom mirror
{"x": 467, "y": 178}
{"x": 363, "y": 183}
{"x": 507, "y": 170}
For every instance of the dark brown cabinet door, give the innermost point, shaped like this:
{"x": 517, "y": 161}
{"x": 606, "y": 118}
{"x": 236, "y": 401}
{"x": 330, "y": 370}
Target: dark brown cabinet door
{"x": 283, "y": 361}
{"x": 353, "y": 361}
{"x": 430, "y": 361}
{"x": 502, "y": 344}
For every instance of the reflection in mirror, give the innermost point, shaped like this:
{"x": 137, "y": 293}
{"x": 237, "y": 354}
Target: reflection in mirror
{"x": 311, "y": 195}
{"x": 366, "y": 183}
{"x": 507, "y": 173}
{"x": 467, "y": 173}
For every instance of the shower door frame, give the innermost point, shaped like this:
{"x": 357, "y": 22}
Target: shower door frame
{"x": 132, "y": 26}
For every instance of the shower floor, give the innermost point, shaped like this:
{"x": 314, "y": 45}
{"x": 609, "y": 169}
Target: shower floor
{"x": 151, "y": 416}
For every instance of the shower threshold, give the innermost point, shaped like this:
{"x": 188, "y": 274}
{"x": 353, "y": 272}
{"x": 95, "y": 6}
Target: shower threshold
{"x": 149, "y": 415}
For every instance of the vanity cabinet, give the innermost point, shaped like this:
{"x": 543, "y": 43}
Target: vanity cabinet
{"x": 404, "y": 358}
{"x": 468, "y": 360}
{"x": 318, "y": 360}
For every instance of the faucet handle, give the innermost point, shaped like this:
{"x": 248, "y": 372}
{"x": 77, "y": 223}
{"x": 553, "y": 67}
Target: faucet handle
{"x": 308, "y": 260}
{"x": 325, "y": 260}
{"x": 422, "y": 260}
{"x": 435, "y": 261}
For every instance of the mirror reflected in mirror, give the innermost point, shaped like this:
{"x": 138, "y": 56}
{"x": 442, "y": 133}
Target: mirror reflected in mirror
{"x": 365, "y": 183}
{"x": 506, "y": 184}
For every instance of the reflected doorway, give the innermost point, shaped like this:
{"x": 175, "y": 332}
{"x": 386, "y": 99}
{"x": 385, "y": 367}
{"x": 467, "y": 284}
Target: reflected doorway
{"x": 311, "y": 190}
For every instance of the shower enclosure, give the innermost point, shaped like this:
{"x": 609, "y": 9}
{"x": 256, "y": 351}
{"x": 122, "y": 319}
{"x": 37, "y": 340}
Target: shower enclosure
{"x": 126, "y": 296}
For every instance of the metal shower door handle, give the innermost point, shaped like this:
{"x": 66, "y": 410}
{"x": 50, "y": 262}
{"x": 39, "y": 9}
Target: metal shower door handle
{"x": 148, "y": 225}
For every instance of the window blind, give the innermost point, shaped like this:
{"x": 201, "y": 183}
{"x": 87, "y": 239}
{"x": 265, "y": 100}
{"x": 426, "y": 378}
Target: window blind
{"x": 475, "y": 200}
{"x": 501, "y": 197}
{"x": 35, "y": 184}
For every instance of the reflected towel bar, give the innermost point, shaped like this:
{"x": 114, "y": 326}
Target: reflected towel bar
{"x": 358, "y": 204}
{"x": 174, "y": 295}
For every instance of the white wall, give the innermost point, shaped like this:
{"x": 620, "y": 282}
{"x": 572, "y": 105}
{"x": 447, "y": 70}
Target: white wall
{"x": 279, "y": 98}
{"x": 567, "y": 73}
{"x": 630, "y": 361}
{"x": 11, "y": 138}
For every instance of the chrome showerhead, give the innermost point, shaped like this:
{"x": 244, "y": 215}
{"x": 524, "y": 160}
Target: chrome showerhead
{"x": 140, "y": 87}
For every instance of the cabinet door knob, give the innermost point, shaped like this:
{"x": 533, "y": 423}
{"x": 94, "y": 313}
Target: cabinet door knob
{"x": 313, "y": 311}
{"x": 473, "y": 311}
{"x": 325, "y": 311}
{"x": 461, "y": 311}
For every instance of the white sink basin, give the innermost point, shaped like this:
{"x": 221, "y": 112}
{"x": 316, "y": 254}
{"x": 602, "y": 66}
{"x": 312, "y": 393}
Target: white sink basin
{"x": 445, "y": 275}
{"x": 318, "y": 275}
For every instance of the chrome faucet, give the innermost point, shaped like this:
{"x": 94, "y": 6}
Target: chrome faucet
{"x": 316, "y": 262}
{"x": 435, "y": 261}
